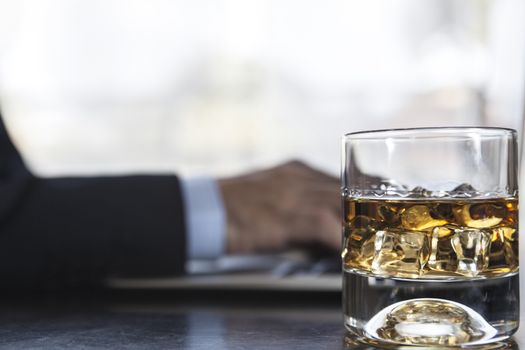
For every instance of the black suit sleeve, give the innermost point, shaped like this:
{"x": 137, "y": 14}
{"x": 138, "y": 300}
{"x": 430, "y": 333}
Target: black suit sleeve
{"x": 78, "y": 231}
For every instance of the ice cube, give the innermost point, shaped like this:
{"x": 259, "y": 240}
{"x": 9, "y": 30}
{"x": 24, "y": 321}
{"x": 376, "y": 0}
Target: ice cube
{"x": 472, "y": 250}
{"x": 418, "y": 217}
{"x": 480, "y": 215}
{"x": 503, "y": 256}
{"x": 360, "y": 228}
{"x": 442, "y": 256}
{"x": 389, "y": 215}
{"x": 420, "y": 192}
{"x": 506, "y": 233}
{"x": 442, "y": 211}
{"x": 359, "y": 242}
{"x": 511, "y": 256}
{"x": 360, "y": 246}
{"x": 400, "y": 253}
{"x": 497, "y": 260}
{"x": 463, "y": 190}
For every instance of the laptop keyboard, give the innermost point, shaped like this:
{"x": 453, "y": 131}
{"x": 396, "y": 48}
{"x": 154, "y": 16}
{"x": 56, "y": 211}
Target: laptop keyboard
{"x": 290, "y": 272}
{"x": 316, "y": 268}
{"x": 279, "y": 266}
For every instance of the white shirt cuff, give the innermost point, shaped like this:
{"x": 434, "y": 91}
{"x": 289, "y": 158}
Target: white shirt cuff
{"x": 205, "y": 218}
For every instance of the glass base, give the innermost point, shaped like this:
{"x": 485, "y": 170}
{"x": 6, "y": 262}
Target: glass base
{"x": 441, "y": 314}
{"x": 355, "y": 340}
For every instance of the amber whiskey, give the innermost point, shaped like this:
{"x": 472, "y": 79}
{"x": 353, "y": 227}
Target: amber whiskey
{"x": 431, "y": 238}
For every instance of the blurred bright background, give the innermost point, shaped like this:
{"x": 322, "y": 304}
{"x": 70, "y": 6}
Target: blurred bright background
{"x": 223, "y": 86}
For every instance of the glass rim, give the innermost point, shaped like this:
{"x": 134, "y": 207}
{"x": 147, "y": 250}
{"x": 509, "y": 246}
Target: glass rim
{"x": 441, "y": 132}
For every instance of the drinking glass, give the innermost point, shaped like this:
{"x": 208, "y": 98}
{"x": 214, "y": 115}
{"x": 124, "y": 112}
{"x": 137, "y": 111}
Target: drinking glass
{"x": 430, "y": 253}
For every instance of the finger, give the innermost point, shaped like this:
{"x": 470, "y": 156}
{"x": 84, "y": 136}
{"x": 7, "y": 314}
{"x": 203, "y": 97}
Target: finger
{"x": 319, "y": 226}
{"x": 331, "y": 232}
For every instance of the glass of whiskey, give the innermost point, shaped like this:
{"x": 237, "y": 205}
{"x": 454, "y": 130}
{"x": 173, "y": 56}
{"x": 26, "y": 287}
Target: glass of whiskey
{"x": 430, "y": 236}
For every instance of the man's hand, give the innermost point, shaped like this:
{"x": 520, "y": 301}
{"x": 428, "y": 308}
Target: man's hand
{"x": 288, "y": 206}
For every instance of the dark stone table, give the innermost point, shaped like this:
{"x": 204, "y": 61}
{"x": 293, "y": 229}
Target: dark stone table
{"x": 169, "y": 320}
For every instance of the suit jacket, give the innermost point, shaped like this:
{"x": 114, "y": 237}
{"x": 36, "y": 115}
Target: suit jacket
{"x": 74, "y": 231}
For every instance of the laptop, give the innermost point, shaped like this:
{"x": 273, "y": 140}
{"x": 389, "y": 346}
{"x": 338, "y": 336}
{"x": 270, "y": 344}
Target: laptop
{"x": 284, "y": 272}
